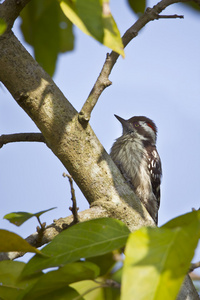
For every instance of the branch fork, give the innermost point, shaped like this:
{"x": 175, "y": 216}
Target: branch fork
{"x": 103, "y": 81}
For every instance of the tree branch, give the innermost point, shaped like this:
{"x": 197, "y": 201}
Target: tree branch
{"x": 102, "y": 81}
{"x": 49, "y": 232}
{"x": 188, "y": 291}
{"x": 21, "y": 137}
{"x": 194, "y": 266}
{"x": 10, "y": 10}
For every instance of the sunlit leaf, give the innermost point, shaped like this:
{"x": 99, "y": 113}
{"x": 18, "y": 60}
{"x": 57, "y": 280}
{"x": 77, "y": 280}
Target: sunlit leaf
{"x": 3, "y": 26}
{"x": 157, "y": 259}
{"x": 9, "y": 241}
{"x": 90, "y": 289}
{"x": 83, "y": 240}
{"x": 87, "y": 16}
{"x": 94, "y": 18}
{"x": 112, "y": 37}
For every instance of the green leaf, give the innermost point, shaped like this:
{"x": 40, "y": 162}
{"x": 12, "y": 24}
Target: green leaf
{"x": 90, "y": 289}
{"x": 83, "y": 240}
{"x": 90, "y": 13}
{"x": 157, "y": 259}
{"x": 65, "y": 293}
{"x": 112, "y": 38}
{"x": 9, "y": 241}
{"x": 18, "y": 218}
{"x": 56, "y": 280}
{"x": 94, "y": 290}
{"x": 38, "y": 214}
{"x": 104, "y": 262}
{"x": 187, "y": 221}
{"x": 47, "y": 29}
{"x": 117, "y": 276}
{"x": 111, "y": 293}
{"x": 10, "y": 287}
{"x": 138, "y": 6}
{"x": 192, "y": 5}
{"x": 3, "y": 26}
{"x": 94, "y": 18}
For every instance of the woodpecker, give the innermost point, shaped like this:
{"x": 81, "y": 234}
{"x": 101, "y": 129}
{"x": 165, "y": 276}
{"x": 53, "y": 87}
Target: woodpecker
{"x": 136, "y": 156}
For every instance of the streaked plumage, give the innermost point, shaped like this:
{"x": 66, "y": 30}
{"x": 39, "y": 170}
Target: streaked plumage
{"x": 136, "y": 156}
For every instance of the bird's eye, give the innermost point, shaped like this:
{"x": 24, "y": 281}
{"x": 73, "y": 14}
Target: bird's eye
{"x": 136, "y": 124}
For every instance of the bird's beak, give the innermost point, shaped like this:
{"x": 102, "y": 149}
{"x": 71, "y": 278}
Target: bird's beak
{"x": 122, "y": 121}
{"x": 125, "y": 124}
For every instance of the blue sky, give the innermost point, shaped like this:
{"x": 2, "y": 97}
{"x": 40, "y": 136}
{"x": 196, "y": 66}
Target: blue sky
{"x": 159, "y": 78}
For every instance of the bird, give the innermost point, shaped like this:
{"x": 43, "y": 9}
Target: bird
{"x": 137, "y": 158}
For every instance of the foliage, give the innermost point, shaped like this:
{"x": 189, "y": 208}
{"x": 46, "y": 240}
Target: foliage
{"x": 94, "y": 18}
{"x": 86, "y": 257}
{"x": 13, "y": 242}
{"x": 47, "y": 25}
{"x": 161, "y": 258}
{"x": 137, "y": 6}
{"x": 46, "y": 28}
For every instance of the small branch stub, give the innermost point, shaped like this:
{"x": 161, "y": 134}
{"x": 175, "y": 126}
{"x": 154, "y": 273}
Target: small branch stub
{"x": 194, "y": 266}
{"x": 40, "y": 230}
{"x": 170, "y": 17}
{"x": 74, "y": 209}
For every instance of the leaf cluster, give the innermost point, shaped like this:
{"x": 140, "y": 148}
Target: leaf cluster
{"x": 47, "y": 25}
{"x": 85, "y": 262}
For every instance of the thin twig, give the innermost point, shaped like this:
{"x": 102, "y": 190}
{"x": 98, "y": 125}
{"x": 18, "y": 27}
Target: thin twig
{"x": 74, "y": 209}
{"x": 102, "y": 81}
{"x": 40, "y": 230}
{"x": 38, "y": 218}
{"x": 170, "y": 17}
{"x": 194, "y": 266}
{"x": 21, "y": 137}
{"x": 109, "y": 283}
